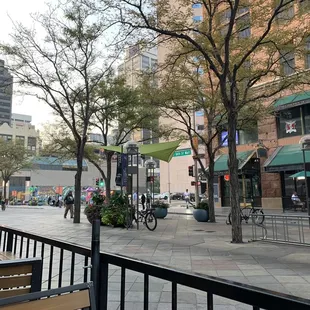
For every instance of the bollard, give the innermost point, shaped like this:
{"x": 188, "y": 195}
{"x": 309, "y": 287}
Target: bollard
{"x": 95, "y": 258}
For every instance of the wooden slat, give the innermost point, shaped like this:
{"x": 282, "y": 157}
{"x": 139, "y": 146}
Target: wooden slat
{"x": 7, "y": 256}
{"x": 76, "y": 300}
{"x": 16, "y": 270}
{"x": 14, "y": 292}
{"x": 9, "y": 282}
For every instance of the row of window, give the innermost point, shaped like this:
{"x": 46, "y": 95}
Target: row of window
{"x": 32, "y": 141}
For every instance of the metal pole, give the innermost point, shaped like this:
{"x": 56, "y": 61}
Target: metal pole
{"x": 137, "y": 188}
{"x": 196, "y": 167}
{"x": 169, "y": 200}
{"x": 122, "y": 176}
{"x": 95, "y": 257}
{"x": 243, "y": 190}
{"x": 306, "y": 182}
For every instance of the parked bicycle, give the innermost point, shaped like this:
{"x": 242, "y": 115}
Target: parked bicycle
{"x": 147, "y": 217}
{"x": 246, "y": 213}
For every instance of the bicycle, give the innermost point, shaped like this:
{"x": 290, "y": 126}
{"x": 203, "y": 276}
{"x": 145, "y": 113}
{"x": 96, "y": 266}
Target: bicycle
{"x": 147, "y": 217}
{"x": 246, "y": 213}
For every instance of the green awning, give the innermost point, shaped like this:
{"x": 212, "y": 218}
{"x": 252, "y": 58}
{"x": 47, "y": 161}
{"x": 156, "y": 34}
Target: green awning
{"x": 292, "y": 100}
{"x": 286, "y": 158}
{"x": 162, "y": 151}
{"x": 221, "y": 167}
{"x": 300, "y": 174}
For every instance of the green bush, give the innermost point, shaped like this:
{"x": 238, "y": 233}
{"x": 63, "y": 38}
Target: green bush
{"x": 115, "y": 211}
{"x": 202, "y": 205}
{"x": 160, "y": 204}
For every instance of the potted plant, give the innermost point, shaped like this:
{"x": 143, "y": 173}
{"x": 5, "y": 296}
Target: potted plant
{"x": 93, "y": 209}
{"x": 161, "y": 208}
{"x": 114, "y": 213}
{"x": 201, "y": 212}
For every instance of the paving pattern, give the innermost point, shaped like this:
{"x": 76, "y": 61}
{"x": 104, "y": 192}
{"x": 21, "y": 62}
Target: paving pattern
{"x": 179, "y": 242}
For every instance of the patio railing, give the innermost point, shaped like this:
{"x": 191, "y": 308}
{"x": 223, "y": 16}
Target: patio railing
{"x": 65, "y": 263}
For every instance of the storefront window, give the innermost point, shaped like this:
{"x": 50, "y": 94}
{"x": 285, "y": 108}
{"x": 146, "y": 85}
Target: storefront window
{"x": 307, "y": 118}
{"x": 289, "y": 123}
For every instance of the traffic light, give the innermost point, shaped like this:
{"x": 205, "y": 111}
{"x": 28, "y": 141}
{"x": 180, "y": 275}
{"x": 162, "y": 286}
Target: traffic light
{"x": 97, "y": 181}
{"x": 101, "y": 182}
{"x": 191, "y": 171}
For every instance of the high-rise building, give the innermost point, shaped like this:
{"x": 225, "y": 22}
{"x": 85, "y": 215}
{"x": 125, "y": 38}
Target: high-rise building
{"x": 6, "y": 88}
{"x": 138, "y": 60}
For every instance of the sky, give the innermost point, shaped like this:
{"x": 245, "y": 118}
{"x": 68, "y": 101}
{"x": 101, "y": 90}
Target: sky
{"x": 19, "y": 10}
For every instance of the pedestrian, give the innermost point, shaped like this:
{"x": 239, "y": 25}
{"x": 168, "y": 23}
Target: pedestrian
{"x": 60, "y": 201}
{"x": 69, "y": 201}
{"x": 187, "y": 196}
{"x": 148, "y": 200}
{"x": 143, "y": 201}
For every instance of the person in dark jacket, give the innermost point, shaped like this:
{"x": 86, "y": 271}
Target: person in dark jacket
{"x": 69, "y": 202}
{"x": 143, "y": 201}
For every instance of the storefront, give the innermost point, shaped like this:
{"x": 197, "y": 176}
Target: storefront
{"x": 249, "y": 178}
{"x": 288, "y": 160}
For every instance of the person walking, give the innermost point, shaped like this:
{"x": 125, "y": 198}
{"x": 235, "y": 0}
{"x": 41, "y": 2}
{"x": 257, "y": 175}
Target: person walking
{"x": 59, "y": 201}
{"x": 143, "y": 201}
{"x": 187, "y": 197}
{"x": 69, "y": 201}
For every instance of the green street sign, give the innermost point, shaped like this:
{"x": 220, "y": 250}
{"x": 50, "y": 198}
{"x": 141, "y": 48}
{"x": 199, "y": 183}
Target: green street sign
{"x": 184, "y": 152}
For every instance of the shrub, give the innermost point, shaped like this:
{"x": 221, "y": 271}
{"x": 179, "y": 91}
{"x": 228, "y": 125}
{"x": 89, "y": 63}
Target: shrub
{"x": 115, "y": 211}
{"x": 160, "y": 204}
{"x": 202, "y": 205}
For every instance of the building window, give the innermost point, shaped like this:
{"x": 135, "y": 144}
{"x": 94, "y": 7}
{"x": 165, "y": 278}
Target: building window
{"x": 196, "y": 5}
{"x": 225, "y": 17}
{"x": 306, "y": 113}
{"x": 197, "y": 19}
{"x": 248, "y": 136}
{"x": 289, "y": 123}
{"x": 287, "y": 62}
{"x": 153, "y": 64}
{"x": 145, "y": 62}
{"x": 6, "y": 137}
{"x": 286, "y": 13}
{"x": 243, "y": 26}
{"x": 200, "y": 127}
{"x": 307, "y": 56}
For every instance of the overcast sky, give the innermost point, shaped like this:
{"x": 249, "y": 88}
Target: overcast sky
{"x": 19, "y": 10}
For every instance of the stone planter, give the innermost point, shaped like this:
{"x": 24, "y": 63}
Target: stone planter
{"x": 161, "y": 213}
{"x": 201, "y": 215}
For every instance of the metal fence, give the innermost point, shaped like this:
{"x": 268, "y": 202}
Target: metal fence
{"x": 293, "y": 229}
{"x": 70, "y": 261}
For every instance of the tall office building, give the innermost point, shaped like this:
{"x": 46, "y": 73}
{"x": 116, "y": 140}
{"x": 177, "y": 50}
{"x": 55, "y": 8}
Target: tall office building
{"x": 6, "y": 90}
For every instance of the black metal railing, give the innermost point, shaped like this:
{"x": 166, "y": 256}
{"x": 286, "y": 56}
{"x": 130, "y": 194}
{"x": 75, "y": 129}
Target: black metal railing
{"x": 73, "y": 259}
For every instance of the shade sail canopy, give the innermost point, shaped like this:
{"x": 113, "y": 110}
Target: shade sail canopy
{"x": 221, "y": 162}
{"x": 162, "y": 151}
{"x": 292, "y": 100}
{"x": 286, "y": 158}
{"x": 300, "y": 174}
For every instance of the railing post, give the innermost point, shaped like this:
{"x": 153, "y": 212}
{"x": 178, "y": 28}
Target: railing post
{"x": 9, "y": 243}
{"x": 95, "y": 258}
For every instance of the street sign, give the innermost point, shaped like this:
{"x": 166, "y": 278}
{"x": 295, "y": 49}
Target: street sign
{"x": 184, "y": 152}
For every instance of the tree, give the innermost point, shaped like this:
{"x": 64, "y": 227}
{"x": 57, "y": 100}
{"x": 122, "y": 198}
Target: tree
{"x": 121, "y": 112}
{"x": 13, "y": 158}
{"x": 233, "y": 35}
{"x": 182, "y": 92}
{"x": 62, "y": 68}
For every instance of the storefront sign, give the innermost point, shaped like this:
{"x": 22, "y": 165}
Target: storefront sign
{"x": 290, "y": 127}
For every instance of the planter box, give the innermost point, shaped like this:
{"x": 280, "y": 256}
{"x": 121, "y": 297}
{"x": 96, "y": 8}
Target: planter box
{"x": 201, "y": 215}
{"x": 161, "y": 213}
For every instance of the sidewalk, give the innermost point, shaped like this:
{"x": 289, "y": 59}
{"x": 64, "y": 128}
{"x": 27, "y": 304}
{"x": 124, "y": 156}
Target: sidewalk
{"x": 180, "y": 242}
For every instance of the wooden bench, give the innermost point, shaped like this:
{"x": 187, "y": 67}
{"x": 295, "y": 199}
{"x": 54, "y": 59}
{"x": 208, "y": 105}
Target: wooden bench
{"x": 79, "y": 296}
{"x": 20, "y": 276}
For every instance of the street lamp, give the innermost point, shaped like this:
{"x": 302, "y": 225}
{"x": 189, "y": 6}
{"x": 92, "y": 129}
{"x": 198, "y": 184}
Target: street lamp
{"x": 150, "y": 165}
{"x": 132, "y": 150}
{"x": 305, "y": 146}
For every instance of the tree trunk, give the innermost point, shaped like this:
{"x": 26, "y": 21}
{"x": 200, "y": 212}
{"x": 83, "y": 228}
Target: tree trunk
{"x": 108, "y": 176}
{"x": 233, "y": 177}
{"x": 77, "y": 188}
{"x": 4, "y": 189}
{"x": 210, "y": 178}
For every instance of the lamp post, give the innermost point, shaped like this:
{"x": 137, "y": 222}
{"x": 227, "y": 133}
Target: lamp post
{"x": 132, "y": 150}
{"x": 150, "y": 165}
{"x": 305, "y": 146}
